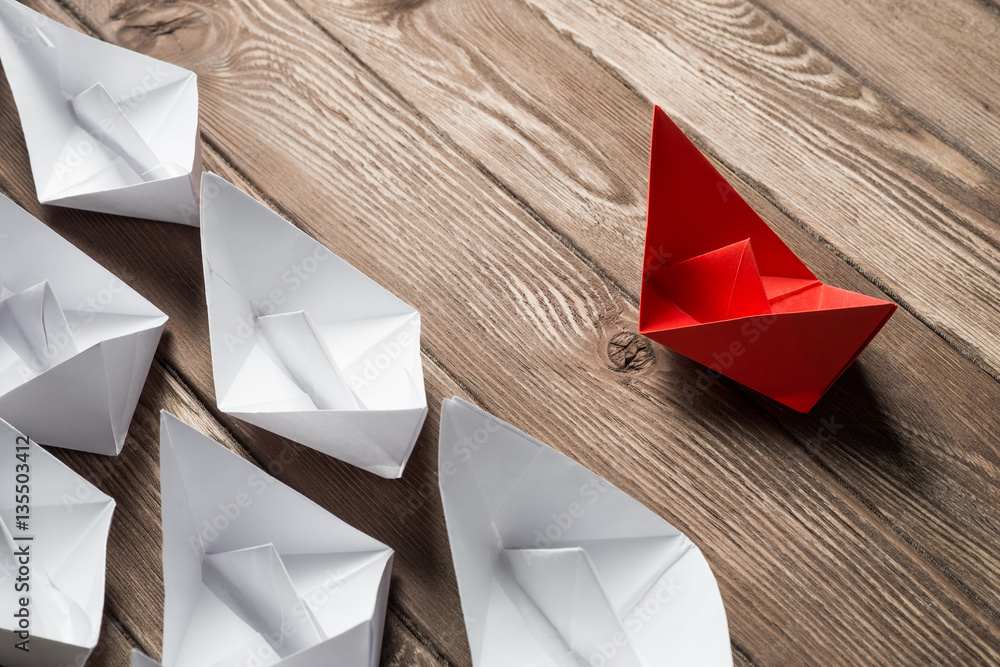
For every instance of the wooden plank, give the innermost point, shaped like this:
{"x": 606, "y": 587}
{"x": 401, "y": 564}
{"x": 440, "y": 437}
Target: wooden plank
{"x": 913, "y": 213}
{"x": 459, "y": 65}
{"x": 546, "y": 316}
{"x": 937, "y": 58}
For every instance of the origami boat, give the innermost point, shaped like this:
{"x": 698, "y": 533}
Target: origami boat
{"x": 556, "y": 566}
{"x": 254, "y": 573}
{"x": 62, "y": 538}
{"x": 304, "y": 344}
{"x": 721, "y": 288}
{"x": 76, "y": 342}
{"x": 107, "y": 129}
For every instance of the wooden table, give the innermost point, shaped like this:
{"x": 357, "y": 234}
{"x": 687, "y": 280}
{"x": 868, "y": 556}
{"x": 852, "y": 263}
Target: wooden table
{"x": 486, "y": 161}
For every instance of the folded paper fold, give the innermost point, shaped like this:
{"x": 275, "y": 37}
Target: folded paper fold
{"x": 561, "y": 593}
{"x": 73, "y": 338}
{"x": 255, "y": 573}
{"x": 107, "y": 129}
{"x": 295, "y": 344}
{"x": 62, "y": 538}
{"x": 720, "y": 287}
{"x": 34, "y": 335}
{"x": 556, "y": 566}
{"x": 254, "y": 584}
{"x": 304, "y": 344}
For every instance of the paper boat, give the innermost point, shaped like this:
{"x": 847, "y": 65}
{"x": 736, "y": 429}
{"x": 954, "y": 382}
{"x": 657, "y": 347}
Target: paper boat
{"x": 107, "y": 129}
{"x": 254, "y": 573}
{"x": 556, "y": 566}
{"x": 721, "y": 288}
{"x": 61, "y": 537}
{"x": 76, "y": 342}
{"x": 304, "y": 344}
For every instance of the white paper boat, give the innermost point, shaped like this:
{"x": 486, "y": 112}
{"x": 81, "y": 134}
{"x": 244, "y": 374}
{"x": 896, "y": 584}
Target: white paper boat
{"x": 107, "y": 129}
{"x": 304, "y": 344}
{"x": 65, "y": 536}
{"x": 556, "y": 566}
{"x": 76, "y": 342}
{"x": 255, "y": 573}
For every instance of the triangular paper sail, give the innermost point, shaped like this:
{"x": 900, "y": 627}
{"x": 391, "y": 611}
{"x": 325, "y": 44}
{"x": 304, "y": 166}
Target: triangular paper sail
{"x": 256, "y": 573}
{"x": 75, "y": 341}
{"x": 556, "y": 566}
{"x": 62, "y": 532}
{"x": 107, "y": 129}
{"x": 720, "y": 287}
{"x": 304, "y": 344}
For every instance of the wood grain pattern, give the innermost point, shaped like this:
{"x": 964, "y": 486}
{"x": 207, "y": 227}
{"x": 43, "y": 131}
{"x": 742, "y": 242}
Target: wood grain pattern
{"x": 579, "y": 121}
{"x": 113, "y": 648}
{"x": 913, "y": 213}
{"x": 826, "y": 551}
{"x": 315, "y": 215}
{"x": 924, "y": 54}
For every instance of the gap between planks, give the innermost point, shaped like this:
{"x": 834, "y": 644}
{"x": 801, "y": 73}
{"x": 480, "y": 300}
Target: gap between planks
{"x": 581, "y": 254}
{"x": 925, "y": 123}
{"x": 591, "y": 262}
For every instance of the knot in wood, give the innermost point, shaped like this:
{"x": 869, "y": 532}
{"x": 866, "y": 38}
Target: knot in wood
{"x": 629, "y": 352}
{"x": 180, "y": 32}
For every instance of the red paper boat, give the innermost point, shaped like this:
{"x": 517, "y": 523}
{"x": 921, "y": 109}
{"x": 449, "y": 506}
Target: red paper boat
{"x": 721, "y": 288}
